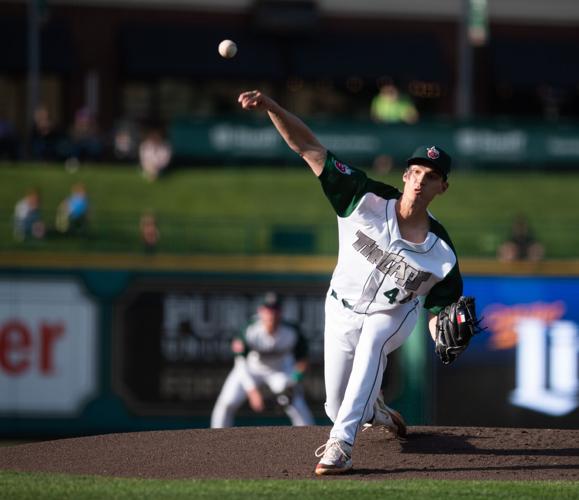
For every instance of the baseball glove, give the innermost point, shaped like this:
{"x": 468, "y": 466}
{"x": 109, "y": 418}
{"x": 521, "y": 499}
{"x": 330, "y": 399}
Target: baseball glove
{"x": 456, "y": 325}
{"x": 285, "y": 397}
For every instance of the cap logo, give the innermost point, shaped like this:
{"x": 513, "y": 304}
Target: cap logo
{"x": 432, "y": 153}
{"x": 342, "y": 167}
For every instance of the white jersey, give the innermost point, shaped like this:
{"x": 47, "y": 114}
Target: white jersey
{"x": 377, "y": 270}
{"x": 264, "y": 359}
{"x": 275, "y": 352}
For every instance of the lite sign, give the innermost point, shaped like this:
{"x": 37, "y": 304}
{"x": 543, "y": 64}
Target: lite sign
{"x": 48, "y": 347}
{"x": 546, "y": 372}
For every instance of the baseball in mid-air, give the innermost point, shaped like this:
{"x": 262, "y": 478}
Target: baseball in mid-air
{"x": 227, "y": 49}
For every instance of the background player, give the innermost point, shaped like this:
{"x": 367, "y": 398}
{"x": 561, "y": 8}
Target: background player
{"x": 270, "y": 352}
{"x": 391, "y": 252}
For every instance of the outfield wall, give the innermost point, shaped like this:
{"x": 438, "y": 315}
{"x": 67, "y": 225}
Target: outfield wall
{"x": 94, "y": 344}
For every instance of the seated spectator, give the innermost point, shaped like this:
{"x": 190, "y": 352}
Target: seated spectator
{"x": 154, "y": 155}
{"x": 45, "y": 140}
{"x": 521, "y": 244}
{"x": 150, "y": 233}
{"x": 390, "y": 106}
{"x": 383, "y": 164}
{"x": 72, "y": 213}
{"x": 28, "y": 223}
{"x": 84, "y": 142}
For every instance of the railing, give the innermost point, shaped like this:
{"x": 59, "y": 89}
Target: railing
{"x": 109, "y": 232}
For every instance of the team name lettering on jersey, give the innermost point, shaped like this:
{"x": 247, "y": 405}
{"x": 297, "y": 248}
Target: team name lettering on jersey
{"x": 391, "y": 264}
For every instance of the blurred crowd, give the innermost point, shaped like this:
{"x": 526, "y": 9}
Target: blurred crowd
{"x": 143, "y": 143}
{"x": 521, "y": 244}
{"x": 147, "y": 146}
{"x": 71, "y": 215}
{"x": 71, "y": 218}
{"x": 84, "y": 141}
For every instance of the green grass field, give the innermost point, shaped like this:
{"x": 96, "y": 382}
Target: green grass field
{"x": 27, "y": 486}
{"x": 243, "y": 210}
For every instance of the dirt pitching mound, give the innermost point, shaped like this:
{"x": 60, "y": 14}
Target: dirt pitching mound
{"x": 288, "y": 453}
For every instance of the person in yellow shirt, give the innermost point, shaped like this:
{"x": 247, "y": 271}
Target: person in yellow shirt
{"x": 390, "y": 106}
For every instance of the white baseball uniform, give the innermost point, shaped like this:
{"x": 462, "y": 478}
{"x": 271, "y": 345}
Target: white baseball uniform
{"x": 374, "y": 297}
{"x": 268, "y": 359}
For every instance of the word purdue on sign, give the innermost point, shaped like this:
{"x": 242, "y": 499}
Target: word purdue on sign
{"x": 23, "y": 349}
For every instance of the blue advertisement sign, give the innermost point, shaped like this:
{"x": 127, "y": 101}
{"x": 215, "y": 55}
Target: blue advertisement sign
{"x": 528, "y": 352}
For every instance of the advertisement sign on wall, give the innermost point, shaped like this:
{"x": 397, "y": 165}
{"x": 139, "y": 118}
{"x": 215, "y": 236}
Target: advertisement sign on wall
{"x": 48, "y": 347}
{"x": 172, "y": 347}
{"x": 523, "y": 370}
{"x": 169, "y": 342}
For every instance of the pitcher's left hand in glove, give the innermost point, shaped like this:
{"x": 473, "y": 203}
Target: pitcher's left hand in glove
{"x": 455, "y": 326}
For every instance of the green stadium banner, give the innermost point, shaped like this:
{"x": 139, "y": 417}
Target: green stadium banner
{"x": 474, "y": 144}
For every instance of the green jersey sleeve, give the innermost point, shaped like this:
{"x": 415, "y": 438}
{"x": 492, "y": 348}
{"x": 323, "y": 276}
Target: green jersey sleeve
{"x": 445, "y": 292}
{"x": 344, "y": 186}
{"x": 448, "y": 290}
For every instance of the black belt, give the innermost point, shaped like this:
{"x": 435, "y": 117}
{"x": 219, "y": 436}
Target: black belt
{"x": 344, "y": 302}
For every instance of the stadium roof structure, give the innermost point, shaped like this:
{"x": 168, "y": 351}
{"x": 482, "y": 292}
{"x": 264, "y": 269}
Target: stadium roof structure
{"x": 512, "y": 11}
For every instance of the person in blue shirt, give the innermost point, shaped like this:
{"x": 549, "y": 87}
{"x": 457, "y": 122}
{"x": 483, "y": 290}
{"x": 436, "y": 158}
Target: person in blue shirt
{"x": 72, "y": 213}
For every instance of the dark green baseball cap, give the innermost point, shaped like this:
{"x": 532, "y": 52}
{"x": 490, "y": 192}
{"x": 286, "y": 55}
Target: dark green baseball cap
{"x": 271, "y": 300}
{"x": 432, "y": 156}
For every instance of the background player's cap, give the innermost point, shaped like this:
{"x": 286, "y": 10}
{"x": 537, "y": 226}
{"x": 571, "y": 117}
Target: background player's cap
{"x": 271, "y": 300}
{"x": 432, "y": 156}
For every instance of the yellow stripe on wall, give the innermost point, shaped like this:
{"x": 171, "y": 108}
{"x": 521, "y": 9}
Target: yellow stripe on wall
{"x": 161, "y": 262}
{"x": 257, "y": 263}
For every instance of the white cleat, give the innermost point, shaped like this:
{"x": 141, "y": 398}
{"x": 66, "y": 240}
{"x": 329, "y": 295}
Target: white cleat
{"x": 336, "y": 457}
{"x": 390, "y": 419}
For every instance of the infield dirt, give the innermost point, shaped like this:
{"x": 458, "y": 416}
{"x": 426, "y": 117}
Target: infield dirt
{"x": 288, "y": 453}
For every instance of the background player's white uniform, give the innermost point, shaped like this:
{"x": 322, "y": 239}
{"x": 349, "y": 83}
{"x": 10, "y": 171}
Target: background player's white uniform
{"x": 268, "y": 359}
{"x": 373, "y": 302}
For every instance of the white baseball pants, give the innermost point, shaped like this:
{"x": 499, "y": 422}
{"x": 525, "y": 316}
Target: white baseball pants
{"x": 356, "y": 347}
{"x": 233, "y": 395}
